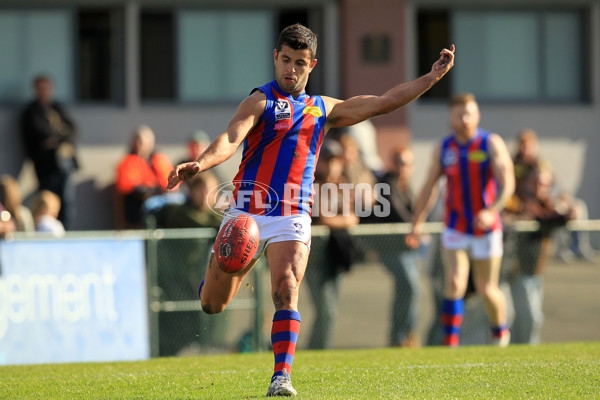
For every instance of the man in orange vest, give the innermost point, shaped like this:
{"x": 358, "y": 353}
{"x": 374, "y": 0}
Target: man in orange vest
{"x": 142, "y": 174}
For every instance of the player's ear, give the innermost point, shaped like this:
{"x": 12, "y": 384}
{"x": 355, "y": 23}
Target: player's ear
{"x": 312, "y": 64}
{"x": 275, "y": 56}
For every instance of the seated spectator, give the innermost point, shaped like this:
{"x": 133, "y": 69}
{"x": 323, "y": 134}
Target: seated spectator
{"x": 198, "y": 209}
{"x": 526, "y": 160}
{"x": 533, "y": 201}
{"x": 10, "y": 196}
{"x": 198, "y": 141}
{"x": 143, "y": 173}
{"x": 45, "y": 209}
{"x": 7, "y": 224}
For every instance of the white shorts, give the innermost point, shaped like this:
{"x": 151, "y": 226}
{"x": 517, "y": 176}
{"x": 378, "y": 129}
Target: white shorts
{"x": 480, "y": 247}
{"x": 273, "y": 229}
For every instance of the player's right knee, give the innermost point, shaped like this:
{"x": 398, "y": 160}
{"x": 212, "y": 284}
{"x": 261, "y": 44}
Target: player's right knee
{"x": 213, "y": 308}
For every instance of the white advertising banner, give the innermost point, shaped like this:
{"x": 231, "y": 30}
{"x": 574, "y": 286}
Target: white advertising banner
{"x": 73, "y": 301}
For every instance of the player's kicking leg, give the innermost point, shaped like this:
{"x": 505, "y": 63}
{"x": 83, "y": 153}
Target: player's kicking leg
{"x": 287, "y": 262}
{"x": 218, "y": 288}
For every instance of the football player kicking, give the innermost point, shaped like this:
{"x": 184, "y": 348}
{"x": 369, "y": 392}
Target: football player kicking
{"x": 282, "y": 129}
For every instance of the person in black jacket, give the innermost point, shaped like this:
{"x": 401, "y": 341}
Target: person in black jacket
{"x": 49, "y": 134}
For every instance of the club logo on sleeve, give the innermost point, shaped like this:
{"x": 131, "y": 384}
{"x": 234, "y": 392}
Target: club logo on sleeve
{"x": 314, "y": 111}
{"x": 283, "y": 110}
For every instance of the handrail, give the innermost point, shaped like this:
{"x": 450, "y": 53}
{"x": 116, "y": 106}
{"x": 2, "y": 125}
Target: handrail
{"x": 317, "y": 230}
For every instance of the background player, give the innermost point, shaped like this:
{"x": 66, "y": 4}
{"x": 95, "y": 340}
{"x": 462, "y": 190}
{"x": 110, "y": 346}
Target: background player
{"x": 282, "y": 129}
{"x": 476, "y": 164}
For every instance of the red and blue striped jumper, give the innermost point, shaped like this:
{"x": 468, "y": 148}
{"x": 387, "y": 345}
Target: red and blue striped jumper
{"x": 470, "y": 187}
{"x": 276, "y": 179}
{"x": 279, "y": 155}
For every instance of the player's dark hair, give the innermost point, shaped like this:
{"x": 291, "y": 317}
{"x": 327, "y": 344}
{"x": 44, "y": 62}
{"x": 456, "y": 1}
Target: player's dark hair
{"x": 298, "y": 37}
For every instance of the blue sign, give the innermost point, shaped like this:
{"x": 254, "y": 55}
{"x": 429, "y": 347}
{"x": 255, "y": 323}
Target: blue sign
{"x": 73, "y": 301}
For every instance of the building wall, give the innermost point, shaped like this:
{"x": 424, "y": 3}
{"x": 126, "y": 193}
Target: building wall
{"x": 378, "y": 18}
{"x": 568, "y": 133}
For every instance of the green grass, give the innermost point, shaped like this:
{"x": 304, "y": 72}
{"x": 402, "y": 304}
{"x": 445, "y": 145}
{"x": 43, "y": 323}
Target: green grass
{"x": 550, "y": 371}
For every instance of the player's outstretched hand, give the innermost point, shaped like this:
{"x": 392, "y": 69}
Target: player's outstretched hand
{"x": 446, "y": 61}
{"x": 181, "y": 172}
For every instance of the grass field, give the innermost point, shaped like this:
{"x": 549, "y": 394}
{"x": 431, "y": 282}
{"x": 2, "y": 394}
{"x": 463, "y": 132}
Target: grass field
{"x": 550, "y": 371}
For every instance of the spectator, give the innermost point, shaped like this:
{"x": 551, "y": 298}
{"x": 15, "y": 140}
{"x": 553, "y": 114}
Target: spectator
{"x": 365, "y": 135}
{"x": 198, "y": 141}
{"x": 527, "y": 160}
{"x": 49, "y": 135}
{"x": 45, "y": 209}
{"x": 143, "y": 173}
{"x": 533, "y": 201}
{"x": 361, "y": 177}
{"x": 10, "y": 196}
{"x": 354, "y": 167}
{"x": 198, "y": 209}
{"x": 402, "y": 261}
{"x": 340, "y": 249}
{"x": 479, "y": 181}
{"x": 7, "y": 224}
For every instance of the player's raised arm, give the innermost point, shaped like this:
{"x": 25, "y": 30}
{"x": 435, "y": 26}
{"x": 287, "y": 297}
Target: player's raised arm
{"x": 360, "y": 108}
{"x": 226, "y": 144}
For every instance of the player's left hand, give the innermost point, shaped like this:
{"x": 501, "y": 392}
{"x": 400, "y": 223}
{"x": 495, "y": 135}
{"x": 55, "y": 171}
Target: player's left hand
{"x": 484, "y": 219}
{"x": 446, "y": 61}
{"x": 181, "y": 172}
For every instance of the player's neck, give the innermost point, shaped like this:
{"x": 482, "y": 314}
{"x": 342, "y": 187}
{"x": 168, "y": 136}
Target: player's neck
{"x": 464, "y": 136}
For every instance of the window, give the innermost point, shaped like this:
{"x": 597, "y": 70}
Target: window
{"x": 46, "y": 48}
{"x": 509, "y": 55}
{"x": 83, "y": 67}
{"x": 157, "y": 56}
{"x": 208, "y": 55}
{"x": 223, "y": 55}
{"x": 100, "y": 55}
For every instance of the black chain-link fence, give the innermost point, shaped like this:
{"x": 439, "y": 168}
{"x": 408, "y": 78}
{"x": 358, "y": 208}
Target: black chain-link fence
{"x": 389, "y": 296}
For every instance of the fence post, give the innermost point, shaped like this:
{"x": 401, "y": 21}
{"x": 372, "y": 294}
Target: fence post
{"x": 257, "y": 339}
{"x": 152, "y": 238}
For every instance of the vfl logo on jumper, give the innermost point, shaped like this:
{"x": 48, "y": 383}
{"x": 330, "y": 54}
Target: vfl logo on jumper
{"x": 449, "y": 158}
{"x": 283, "y": 110}
{"x": 250, "y": 195}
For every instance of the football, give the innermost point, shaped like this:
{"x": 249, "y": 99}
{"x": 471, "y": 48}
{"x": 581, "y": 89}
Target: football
{"x": 236, "y": 243}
